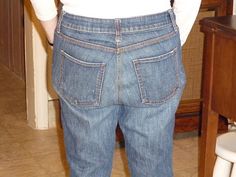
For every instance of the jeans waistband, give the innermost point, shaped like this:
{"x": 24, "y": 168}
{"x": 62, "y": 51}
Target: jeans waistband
{"x": 123, "y": 25}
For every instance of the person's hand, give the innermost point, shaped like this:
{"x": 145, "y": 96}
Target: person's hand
{"x": 49, "y": 27}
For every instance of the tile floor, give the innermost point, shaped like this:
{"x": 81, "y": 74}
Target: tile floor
{"x": 25, "y": 152}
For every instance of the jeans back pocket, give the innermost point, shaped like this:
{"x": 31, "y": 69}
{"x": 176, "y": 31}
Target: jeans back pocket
{"x": 157, "y": 77}
{"x": 81, "y": 81}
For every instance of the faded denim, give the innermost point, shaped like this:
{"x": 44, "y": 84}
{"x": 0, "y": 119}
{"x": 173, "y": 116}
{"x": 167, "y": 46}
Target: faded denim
{"x": 127, "y": 71}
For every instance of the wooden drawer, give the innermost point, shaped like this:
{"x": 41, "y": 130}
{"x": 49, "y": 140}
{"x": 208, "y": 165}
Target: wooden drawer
{"x": 211, "y": 2}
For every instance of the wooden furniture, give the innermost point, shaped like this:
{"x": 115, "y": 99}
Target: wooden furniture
{"x": 189, "y": 111}
{"x": 219, "y": 84}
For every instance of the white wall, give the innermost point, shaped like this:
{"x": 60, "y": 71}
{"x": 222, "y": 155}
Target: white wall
{"x": 234, "y": 7}
{"x": 36, "y": 74}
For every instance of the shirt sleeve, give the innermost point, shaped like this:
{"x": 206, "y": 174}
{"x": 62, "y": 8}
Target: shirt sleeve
{"x": 186, "y": 12}
{"x": 44, "y": 9}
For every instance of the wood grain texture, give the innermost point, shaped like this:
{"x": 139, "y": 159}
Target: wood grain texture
{"x": 12, "y": 36}
{"x": 218, "y": 84}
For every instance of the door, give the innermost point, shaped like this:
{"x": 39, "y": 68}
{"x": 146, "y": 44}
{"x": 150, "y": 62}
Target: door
{"x": 12, "y": 36}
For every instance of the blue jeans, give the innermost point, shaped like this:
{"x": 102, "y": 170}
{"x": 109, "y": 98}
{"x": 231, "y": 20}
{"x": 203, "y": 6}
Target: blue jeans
{"x": 127, "y": 71}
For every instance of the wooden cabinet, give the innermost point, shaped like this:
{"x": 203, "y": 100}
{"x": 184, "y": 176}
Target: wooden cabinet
{"x": 219, "y": 84}
{"x": 221, "y": 7}
{"x": 213, "y": 3}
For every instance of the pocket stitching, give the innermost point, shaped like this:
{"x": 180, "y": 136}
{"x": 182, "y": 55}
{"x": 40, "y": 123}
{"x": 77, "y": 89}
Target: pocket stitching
{"x": 138, "y": 62}
{"x": 99, "y": 80}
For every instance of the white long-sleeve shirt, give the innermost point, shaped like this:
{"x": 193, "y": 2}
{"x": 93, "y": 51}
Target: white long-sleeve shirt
{"x": 185, "y": 10}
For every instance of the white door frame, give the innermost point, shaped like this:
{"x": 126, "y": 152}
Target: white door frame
{"x": 36, "y": 71}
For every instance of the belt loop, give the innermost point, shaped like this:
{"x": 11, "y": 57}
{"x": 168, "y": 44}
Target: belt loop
{"x": 118, "y": 29}
{"x": 173, "y": 21}
{"x": 59, "y": 21}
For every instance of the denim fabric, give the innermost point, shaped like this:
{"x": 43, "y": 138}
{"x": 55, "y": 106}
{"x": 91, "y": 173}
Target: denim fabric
{"x": 127, "y": 71}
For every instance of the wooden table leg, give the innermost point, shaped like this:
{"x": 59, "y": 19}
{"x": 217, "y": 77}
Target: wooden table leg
{"x": 207, "y": 143}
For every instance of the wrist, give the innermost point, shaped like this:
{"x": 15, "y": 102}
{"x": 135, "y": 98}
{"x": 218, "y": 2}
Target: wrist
{"x": 49, "y": 28}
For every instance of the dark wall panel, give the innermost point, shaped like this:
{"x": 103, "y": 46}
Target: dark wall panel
{"x": 12, "y": 36}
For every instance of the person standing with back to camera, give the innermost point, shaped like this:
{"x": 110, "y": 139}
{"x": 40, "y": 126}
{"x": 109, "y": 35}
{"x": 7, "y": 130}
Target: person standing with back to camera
{"x": 118, "y": 61}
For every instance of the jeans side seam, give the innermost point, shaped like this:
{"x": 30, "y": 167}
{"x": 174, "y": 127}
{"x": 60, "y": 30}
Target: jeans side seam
{"x": 61, "y": 71}
{"x": 59, "y": 22}
{"x": 172, "y": 17}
